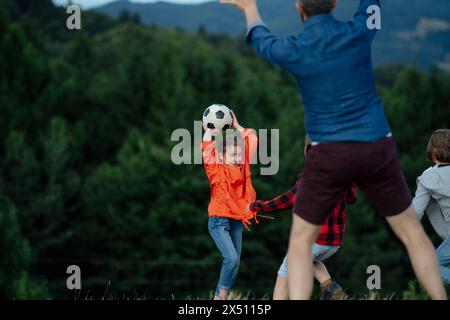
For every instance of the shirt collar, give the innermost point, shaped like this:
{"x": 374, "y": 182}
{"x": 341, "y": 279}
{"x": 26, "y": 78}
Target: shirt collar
{"x": 318, "y": 19}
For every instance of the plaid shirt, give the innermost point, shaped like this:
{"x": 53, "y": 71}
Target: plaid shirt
{"x": 331, "y": 232}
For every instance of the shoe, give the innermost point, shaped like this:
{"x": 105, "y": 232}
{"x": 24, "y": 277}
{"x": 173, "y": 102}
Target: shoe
{"x": 332, "y": 291}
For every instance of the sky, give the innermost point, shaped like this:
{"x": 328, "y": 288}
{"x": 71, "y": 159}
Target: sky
{"x": 86, "y": 4}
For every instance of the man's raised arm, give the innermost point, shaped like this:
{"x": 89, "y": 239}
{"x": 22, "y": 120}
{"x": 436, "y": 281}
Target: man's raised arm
{"x": 249, "y": 7}
{"x": 273, "y": 49}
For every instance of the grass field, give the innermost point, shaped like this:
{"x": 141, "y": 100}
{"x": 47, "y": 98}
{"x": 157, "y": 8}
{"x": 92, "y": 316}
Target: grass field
{"x": 414, "y": 292}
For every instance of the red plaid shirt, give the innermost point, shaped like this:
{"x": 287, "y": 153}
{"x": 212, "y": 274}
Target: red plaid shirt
{"x": 331, "y": 232}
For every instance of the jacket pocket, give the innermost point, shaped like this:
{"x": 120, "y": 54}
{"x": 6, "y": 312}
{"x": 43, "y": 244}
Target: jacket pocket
{"x": 445, "y": 209}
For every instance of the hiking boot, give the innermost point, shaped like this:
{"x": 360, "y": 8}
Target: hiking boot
{"x": 332, "y": 291}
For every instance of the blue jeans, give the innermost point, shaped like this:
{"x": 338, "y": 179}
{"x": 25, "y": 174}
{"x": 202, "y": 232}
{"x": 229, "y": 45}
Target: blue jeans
{"x": 319, "y": 253}
{"x": 443, "y": 253}
{"x": 227, "y": 234}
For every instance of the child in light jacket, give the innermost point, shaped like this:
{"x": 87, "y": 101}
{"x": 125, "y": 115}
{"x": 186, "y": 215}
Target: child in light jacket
{"x": 433, "y": 195}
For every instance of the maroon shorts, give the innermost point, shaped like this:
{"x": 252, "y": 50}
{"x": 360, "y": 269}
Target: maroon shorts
{"x": 331, "y": 168}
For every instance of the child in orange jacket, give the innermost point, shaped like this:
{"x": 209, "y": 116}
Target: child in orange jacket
{"x": 228, "y": 171}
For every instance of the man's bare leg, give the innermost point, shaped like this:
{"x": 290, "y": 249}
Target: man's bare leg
{"x": 421, "y": 252}
{"x": 300, "y": 264}
{"x": 281, "y": 291}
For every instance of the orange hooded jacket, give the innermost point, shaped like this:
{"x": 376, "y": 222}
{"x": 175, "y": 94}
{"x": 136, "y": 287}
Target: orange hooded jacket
{"x": 231, "y": 186}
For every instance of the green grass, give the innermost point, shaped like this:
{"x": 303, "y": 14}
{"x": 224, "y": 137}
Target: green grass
{"x": 414, "y": 292}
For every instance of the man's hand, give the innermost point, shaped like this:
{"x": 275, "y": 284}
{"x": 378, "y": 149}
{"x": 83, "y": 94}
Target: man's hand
{"x": 249, "y": 7}
{"x": 241, "y": 4}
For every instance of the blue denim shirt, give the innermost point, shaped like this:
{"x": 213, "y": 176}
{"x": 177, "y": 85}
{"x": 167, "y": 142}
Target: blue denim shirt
{"x": 332, "y": 64}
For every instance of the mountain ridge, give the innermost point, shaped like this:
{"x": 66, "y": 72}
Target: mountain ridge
{"x": 411, "y": 32}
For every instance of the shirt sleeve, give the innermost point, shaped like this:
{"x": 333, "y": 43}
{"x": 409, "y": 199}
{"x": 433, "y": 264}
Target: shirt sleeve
{"x": 421, "y": 199}
{"x": 279, "y": 51}
{"x": 251, "y": 142}
{"x": 282, "y": 202}
{"x": 210, "y": 157}
{"x": 361, "y": 16}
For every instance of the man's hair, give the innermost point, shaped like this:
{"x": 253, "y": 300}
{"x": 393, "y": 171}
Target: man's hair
{"x": 316, "y": 7}
{"x": 439, "y": 146}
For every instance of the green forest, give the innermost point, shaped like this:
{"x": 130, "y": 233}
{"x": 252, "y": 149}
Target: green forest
{"x": 85, "y": 171}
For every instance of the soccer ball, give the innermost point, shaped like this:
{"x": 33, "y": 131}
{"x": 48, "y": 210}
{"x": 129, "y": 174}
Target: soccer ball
{"x": 217, "y": 117}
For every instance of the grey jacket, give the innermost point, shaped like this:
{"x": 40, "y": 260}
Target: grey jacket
{"x": 433, "y": 198}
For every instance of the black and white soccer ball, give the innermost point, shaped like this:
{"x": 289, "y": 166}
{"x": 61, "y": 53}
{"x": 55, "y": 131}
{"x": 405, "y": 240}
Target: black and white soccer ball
{"x": 217, "y": 117}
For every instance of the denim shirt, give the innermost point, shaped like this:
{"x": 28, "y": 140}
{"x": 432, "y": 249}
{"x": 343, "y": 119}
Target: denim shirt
{"x": 331, "y": 62}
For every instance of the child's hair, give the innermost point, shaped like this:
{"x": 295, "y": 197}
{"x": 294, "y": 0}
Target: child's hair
{"x": 439, "y": 146}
